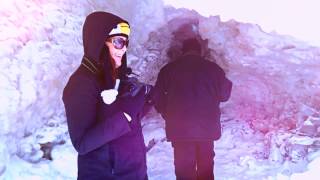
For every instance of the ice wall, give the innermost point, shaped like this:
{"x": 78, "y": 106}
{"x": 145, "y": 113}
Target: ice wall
{"x": 41, "y": 45}
{"x": 276, "y": 78}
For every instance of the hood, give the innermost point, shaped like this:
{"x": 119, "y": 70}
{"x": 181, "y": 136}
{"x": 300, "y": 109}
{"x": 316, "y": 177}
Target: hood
{"x": 96, "y": 29}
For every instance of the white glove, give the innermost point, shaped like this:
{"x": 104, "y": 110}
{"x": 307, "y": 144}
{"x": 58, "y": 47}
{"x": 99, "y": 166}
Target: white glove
{"x": 109, "y": 96}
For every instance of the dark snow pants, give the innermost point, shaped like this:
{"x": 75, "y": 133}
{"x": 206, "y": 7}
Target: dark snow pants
{"x": 193, "y": 160}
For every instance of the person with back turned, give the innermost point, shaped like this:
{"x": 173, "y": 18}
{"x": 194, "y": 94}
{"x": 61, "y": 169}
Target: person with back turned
{"x": 187, "y": 94}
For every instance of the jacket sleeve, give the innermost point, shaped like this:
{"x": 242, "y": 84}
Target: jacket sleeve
{"x": 87, "y": 133}
{"x": 159, "y": 94}
{"x": 225, "y": 86}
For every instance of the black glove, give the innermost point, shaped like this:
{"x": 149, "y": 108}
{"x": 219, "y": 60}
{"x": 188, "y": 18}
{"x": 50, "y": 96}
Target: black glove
{"x": 130, "y": 86}
{"x": 133, "y": 105}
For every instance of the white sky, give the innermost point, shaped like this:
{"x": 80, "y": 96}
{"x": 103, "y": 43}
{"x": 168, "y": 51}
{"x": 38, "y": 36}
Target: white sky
{"x": 299, "y": 18}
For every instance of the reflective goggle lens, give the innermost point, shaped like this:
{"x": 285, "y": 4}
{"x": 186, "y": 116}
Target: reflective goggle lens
{"x": 119, "y": 43}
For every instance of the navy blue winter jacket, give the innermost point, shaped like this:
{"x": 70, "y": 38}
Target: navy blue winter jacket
{"x": 188, "y": 92}
{"x": 96, "y": 129}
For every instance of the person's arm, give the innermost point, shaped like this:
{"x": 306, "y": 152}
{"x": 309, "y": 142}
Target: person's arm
{"x": 81, "y": 99}
{"x": 159, "y": 94}
{"x": 225, "y": 86}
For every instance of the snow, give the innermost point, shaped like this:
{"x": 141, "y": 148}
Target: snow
{"x": 271, "y": 124}
{"x": 293, "y": 17}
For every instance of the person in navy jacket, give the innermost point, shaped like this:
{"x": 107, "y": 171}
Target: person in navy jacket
{"x": 103, "y": 124}
{"x": 187, "y": 94}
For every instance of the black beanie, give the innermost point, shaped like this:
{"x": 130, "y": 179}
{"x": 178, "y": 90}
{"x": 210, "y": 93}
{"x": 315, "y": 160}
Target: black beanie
{"x": 191, "y": 45}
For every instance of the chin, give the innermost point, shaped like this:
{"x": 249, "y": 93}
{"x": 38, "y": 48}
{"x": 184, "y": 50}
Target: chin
{"x": 118, "y": 64}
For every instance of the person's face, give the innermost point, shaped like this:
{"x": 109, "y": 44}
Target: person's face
{"x": 117, "y": 46}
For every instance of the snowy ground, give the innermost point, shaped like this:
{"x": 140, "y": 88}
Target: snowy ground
{"x": 241, "y": 153}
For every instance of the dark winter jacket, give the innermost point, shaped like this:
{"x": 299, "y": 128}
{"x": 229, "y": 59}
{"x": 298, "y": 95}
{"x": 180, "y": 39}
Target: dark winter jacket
{"x": 96, "y": 129}
{"x": 188, "y": 92}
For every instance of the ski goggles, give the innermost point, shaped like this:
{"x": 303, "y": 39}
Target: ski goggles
{"x": 118, "y": 42}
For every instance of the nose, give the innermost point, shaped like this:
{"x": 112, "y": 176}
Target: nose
{"x": 124, "y": 49}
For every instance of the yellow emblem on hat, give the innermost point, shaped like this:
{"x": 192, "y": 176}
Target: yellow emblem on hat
{"x": 121, "y": 28}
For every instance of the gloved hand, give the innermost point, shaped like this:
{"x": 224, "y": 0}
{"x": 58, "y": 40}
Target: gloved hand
{"x": 130, "y": 86}
{"x": 109, "y": 95}
{"x": 133, "y": 105}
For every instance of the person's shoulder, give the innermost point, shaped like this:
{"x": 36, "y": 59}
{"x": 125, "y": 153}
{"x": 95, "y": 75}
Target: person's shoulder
{"x": 213, "y": 66}
{"x": 80, "y": 75}
{"x": 80, "y": 78}
{"x": 167, "y": 67}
